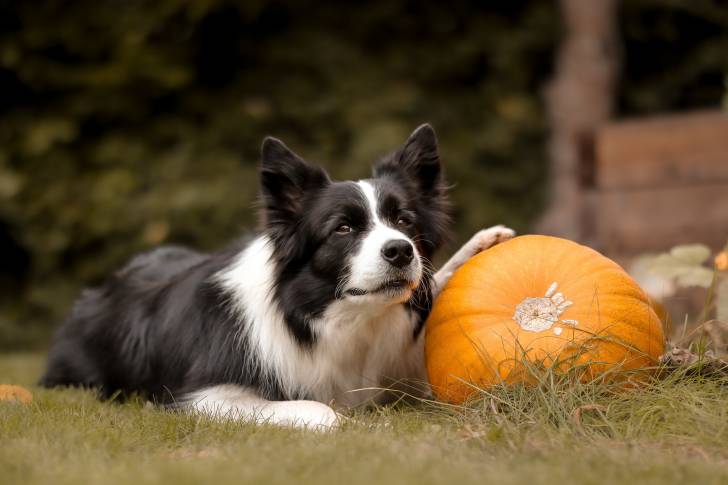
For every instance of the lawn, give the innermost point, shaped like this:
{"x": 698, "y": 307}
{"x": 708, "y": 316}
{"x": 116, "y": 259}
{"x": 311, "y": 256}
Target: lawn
{"x": 672, "y": 431}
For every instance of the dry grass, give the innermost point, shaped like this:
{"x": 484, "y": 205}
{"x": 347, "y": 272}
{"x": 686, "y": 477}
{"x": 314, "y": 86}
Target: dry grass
{"x": 674, "y": 430}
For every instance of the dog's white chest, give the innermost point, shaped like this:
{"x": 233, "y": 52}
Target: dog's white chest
{"x": 360, "y": 351}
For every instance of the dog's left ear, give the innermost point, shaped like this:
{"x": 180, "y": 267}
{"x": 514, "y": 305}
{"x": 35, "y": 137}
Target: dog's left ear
{"x": 285, "y": 178}
{"x": 418, "y": 158}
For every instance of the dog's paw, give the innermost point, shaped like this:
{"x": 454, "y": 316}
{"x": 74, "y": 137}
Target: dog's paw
{"x": 312, "y": 415}
{"x": 324, "y": 420}
{"x": 488, "y": 238}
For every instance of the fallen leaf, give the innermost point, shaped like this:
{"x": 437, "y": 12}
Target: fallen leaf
{"x": 19, "y": 394}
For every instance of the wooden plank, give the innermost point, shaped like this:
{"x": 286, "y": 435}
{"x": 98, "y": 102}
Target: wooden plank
{"x": 663, "y": 151}
{"x": 637, "y": 221}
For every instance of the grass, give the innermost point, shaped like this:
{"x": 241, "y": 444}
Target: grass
{"x": 671, "y": 431}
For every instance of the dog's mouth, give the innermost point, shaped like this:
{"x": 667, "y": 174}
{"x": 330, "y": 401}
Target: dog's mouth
{"x": 391, "y": 287}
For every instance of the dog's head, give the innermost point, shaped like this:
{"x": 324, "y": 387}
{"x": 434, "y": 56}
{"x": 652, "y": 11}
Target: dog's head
{"x": 368, "y": 240}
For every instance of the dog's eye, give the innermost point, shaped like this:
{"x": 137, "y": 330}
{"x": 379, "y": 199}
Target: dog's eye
{"x": 343, "y": 229}
{"x": 403, "y": 221}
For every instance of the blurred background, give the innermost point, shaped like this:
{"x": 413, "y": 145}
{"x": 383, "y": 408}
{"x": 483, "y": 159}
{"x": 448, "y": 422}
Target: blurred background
{"x": 127, "y": 124}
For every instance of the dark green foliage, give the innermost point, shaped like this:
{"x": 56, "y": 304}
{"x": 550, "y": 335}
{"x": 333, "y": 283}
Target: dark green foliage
{"x": 125, "y": 124}
{"x": 675, "y": 55}
{"x": 128, "y": 124}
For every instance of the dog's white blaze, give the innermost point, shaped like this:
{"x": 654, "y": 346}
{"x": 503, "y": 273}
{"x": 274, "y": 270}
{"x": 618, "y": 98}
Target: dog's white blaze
{"x": 358, "y": 341}
{"x": 368, "y": 268}
{"x": 371, "y": 196}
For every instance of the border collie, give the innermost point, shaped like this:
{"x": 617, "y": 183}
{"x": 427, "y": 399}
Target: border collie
{"x": 326, "y": 304}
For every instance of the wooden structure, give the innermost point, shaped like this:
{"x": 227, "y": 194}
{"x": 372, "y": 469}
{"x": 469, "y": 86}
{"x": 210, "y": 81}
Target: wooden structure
{"x": 626, "y": 187}
{"x": 658, "y": 182}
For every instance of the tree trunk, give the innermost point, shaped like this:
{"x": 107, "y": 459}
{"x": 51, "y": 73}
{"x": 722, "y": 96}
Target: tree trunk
{"x": 579, "y": 99}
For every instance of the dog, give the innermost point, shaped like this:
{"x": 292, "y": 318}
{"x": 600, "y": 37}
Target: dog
{"x": 325, "y": 305}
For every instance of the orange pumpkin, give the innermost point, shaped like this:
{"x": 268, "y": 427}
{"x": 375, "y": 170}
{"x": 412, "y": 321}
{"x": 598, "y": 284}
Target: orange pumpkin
{"x": 537, "y": 299}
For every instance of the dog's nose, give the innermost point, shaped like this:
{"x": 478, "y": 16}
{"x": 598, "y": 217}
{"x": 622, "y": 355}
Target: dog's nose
{"x": 398, "y": 252}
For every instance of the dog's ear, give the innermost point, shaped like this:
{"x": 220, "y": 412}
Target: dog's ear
{"x": 418, "y": 159}
{"x": 284, "y": 180}
{"x": 416, "y": 166}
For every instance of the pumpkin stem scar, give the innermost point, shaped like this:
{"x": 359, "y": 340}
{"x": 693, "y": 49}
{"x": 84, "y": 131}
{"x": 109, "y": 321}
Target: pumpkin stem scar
{"x": 539, "y": 314}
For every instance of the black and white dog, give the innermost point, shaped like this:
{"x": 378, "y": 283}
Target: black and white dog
{"x": 326, "y": 304}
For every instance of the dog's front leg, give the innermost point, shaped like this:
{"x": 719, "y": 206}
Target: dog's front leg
{"x": 481, "y": 241}
{"x": 229, "y": 401}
